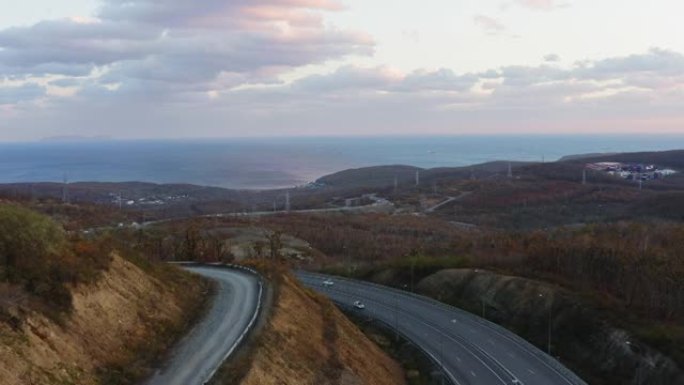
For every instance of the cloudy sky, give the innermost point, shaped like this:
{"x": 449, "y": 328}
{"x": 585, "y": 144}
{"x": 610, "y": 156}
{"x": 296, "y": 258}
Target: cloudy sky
{"x": 221, "y": 68}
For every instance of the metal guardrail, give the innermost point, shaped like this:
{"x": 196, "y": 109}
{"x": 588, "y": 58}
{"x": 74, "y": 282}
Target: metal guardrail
{"x": 436, "y": 361}
{"x": 544, "y": 358}
{"x": 252, "y": 321}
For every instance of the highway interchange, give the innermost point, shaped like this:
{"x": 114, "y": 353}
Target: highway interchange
{"x": 470, "y": 350}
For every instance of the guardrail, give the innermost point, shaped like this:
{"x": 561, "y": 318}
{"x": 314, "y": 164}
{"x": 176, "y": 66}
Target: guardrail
{"x": 544, "y": 358}
{"x": 252, "y": 321}
{"x": 436, "y": 361}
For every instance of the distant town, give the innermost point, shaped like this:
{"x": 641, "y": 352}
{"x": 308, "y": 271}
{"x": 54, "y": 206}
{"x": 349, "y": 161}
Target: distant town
{"x": 154, "y": 200}
{"x": 632, "y": 171}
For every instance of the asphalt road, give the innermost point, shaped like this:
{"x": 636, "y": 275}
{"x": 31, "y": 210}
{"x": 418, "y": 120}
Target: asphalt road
{"x": 201, "y": 353}
{"x": 470, "y": 350}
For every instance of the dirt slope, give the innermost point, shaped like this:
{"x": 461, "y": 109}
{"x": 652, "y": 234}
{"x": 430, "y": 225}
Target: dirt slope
{"x": 104, "y": 333}
{"x": 308, "y": 341}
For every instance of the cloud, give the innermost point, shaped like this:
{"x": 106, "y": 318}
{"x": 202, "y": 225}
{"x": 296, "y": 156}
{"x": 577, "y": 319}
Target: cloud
{"x": 180, "y": 43}
{"x": 490, "y": 25}
{"x": 656, "y": 61}
{"x": 542, "y": 5}
{"x": 17, "y": 94}
{"x": 158, "y": 68}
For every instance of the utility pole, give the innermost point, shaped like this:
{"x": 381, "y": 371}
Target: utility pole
{"x": 413, "y": 266}
{"x": 65, "y": 189}
{"x": 396, "y": 183}
{"x": 417, "y": 178}
{"x": 548, "y": 348}
{"x": 510, "y": 171}
{"x": 287, "y": 201}
{"x": 396, "y": 317}
{"x": 584, "y": 176}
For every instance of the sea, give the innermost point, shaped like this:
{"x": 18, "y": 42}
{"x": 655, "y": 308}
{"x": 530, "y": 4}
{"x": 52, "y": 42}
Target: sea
{"x": 264, "y": 163}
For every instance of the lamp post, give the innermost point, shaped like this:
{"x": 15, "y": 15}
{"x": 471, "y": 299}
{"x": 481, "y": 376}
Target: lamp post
{"x": 441, "y": 360}
{"x": 396, "y": 317}
{"x": 548, "y": 338}
{"x": 483, "y": 308}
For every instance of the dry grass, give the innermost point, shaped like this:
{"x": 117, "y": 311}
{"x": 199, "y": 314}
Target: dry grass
{"x": 308, "y": 341}
{"x": 106, "y": 329}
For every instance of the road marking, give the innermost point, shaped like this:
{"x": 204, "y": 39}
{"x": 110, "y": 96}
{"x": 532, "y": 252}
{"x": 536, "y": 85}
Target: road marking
{"x": 473, "y": 373}
{"x": 531, "y": 371}
{"x": 489, "y": 329}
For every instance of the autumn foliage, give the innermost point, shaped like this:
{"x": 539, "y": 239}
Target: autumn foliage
{"x": 38, "y": 255}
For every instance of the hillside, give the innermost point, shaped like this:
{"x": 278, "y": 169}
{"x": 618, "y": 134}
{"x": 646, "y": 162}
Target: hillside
{"x": 600, "y": 352}
{"x": 369, "y": 177}
{"x": 309, "y": 341}
{"x": 77, "y": 312}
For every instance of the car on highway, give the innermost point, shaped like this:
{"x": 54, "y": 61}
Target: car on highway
{"x": 328, "y": 282}
{"x": 359, "y": 305}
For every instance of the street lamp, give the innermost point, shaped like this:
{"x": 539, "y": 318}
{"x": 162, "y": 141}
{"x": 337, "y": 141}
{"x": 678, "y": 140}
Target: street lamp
{"x": 483, "y": 308}
{"x": 396, "y": 316}
{"x": 548, "y": 339}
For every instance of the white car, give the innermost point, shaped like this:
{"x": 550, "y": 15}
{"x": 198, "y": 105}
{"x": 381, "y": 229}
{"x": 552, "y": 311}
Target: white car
{"x": 359, "y": 305}
{"x": 328, "y": 282}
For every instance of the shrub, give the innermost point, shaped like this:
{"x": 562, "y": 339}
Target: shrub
{"x": 37, "y": 254}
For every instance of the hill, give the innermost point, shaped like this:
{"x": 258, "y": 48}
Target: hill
{"x": 75, "y": 311}
{"x": 309, "y": 341}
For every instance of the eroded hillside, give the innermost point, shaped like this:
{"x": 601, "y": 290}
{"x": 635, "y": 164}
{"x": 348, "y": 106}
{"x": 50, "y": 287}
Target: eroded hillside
{"x": 309, "y": 341}
{"x": 115, "y": 327}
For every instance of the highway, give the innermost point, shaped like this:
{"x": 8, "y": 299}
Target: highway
{"x": 470, "y": 350}
{"x": 203, "y": 350}
{"x": 447, "y": 201}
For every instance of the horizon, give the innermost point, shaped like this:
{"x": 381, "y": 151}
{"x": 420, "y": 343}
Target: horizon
{"x": 264, "y": 163}
{"x": 76, "y": 139}
{"x": 328, "y": 67}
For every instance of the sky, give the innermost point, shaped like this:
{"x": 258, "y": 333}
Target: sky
{"x": 218, "y": 68}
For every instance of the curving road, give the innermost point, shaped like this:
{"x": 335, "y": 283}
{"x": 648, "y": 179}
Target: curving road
{"x": 211, "y": 341}
{"x": 470, "y": 350}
